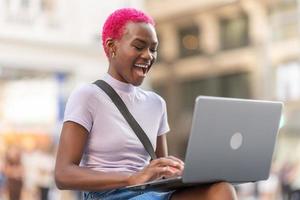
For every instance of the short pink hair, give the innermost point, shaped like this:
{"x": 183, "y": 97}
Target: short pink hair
{"x": 115, "y": 23}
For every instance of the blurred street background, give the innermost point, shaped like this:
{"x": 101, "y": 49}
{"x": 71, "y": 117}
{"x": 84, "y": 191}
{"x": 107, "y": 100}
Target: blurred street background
{"x": 228, "y": 48}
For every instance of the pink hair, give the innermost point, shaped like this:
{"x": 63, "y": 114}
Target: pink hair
{"x": 115, "y": 23}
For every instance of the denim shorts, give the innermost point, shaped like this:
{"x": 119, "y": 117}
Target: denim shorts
{"x": 124, "y": 194}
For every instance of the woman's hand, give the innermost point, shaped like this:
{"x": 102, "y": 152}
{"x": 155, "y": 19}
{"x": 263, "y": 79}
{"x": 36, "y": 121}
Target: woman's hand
{"x": 162, "y": 167}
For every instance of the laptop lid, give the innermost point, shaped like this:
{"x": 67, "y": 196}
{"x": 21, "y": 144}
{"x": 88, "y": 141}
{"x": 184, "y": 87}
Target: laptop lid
{"x": 231, "y": 140}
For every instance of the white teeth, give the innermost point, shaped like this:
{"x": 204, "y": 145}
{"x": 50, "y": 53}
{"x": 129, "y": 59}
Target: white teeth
{"x": 141, "y": 65}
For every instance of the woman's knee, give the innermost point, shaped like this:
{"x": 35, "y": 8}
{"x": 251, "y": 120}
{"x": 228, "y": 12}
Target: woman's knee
{"x": 221, "y": 190}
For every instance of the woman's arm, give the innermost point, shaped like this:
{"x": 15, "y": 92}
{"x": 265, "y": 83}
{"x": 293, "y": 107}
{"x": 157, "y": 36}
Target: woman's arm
{"x": 68, "y": 173}
{"x": 161, "y": 146}
{"x": 162, "y": 151}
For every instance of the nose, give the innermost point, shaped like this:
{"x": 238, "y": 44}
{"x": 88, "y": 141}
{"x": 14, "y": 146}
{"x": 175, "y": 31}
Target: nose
{"x": 147, "y": 55}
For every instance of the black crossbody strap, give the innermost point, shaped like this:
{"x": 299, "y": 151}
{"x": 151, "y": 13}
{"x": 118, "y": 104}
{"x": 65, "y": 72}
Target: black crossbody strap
{"x": 128, "y": 116}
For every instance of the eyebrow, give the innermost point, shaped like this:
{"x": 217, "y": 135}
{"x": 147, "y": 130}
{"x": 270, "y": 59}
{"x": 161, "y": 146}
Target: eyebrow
{"x": 144, "y": 42}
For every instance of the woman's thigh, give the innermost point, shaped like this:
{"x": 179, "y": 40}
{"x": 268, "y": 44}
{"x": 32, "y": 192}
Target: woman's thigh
{"x": 222, "y": 190}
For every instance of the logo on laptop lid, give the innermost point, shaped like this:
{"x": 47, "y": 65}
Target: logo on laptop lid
{"x": 236, "y": 141}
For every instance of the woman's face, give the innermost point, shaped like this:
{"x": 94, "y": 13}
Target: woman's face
{"x": 135, "y": 53}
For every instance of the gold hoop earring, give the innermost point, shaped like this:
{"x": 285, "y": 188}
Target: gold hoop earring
{"x": 113, "y": 54}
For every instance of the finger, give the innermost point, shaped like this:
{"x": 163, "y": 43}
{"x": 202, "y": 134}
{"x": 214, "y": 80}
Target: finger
{"x": 163, "y": 161}
{"x": 176, "y": 166}
{"x": 163, "y": 172}
{"x": 180, "y": 164}
{"x": 152, "y": 172}
{"x": 159, "y": 172}
{"x": 156, "y": 172}
{"x": 169, "y": 172}
{"x": 176, "y": 159}
{"x": 162, "y": 167}
{"x": 175, "y": 163}
{"x": 168, "y": 161}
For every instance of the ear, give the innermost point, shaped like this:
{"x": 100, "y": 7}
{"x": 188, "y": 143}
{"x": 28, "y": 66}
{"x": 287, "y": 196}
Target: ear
{"x": 110, "y": 46}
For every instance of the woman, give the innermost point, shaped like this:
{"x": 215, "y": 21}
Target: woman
{"x": 13, "y": 170}
{"x": 98, "y": 151}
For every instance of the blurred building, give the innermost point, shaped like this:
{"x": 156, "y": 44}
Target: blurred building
{"x": 47, "y": 48}
{"x": 229, "y": 48}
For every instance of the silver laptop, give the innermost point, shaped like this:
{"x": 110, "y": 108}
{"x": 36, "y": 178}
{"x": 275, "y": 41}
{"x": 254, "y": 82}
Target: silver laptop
{"x": 231, "y": 140}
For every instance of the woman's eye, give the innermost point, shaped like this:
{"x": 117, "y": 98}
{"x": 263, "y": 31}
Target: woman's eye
{"x": 153, "y": 50}
{"x": 138, "y": 48}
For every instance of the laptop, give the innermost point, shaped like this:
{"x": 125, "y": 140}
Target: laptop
{"x": 231, "y": 140}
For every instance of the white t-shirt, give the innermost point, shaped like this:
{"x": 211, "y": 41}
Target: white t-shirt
{"x": 112, "y": 145}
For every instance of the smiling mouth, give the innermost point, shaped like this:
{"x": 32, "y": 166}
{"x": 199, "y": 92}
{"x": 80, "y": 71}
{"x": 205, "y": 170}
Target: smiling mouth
{"x": 144, "y": 67}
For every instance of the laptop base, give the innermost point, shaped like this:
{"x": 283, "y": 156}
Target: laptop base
{"x": 165, "y": 185}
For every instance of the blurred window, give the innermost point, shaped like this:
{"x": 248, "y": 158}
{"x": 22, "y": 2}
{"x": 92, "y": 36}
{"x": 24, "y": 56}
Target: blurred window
{"x": 30, "y": 101}
{"x": 233, "y": 85}
{"x": 288, "y": 81}
{"x": 25, "y": 4}
{"x": 284, "y": 19}
{"x": 234, "y": 32}
{"x": 28, "y": 11}
{"x": 189, "y": 41}
{"x": 18, "y": 11}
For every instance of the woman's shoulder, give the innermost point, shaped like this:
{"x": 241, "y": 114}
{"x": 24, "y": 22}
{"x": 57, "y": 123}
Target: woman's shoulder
{"x": 151, "y": 95}
{"x": 85, "y": 90}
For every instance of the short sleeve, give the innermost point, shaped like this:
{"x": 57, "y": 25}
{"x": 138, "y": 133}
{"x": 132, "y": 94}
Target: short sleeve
{"x": 164, "y": 125}
{"x": 79, "y": 107}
